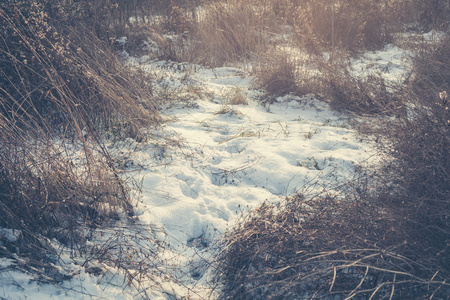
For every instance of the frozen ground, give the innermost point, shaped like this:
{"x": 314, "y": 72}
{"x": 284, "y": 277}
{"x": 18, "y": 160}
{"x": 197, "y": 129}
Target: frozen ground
{"x": 211, "y": 161}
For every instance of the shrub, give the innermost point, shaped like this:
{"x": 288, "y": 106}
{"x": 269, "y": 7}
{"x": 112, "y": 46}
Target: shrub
{"x": 432, "y": 13}
{"x": 61, "y": 88}
{"x": 419, "y": 143}
{"x": 431, "y": 74}
{"x": 348, "y": 25}
{"x": 229, "y": 31}
{"x": 368, "y": 95}
{"x": 71, "y": 81}
{"x": 320, "y": 248}
{"x": 388, "y": 238}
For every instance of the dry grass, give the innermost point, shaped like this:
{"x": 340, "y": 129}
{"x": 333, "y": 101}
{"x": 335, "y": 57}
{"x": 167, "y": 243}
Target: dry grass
{"x": 419, "y": 143}
{"x": 426, "y": 15}
{"x": 368, "y": 95}
{"x": 331, "y": 79}
{"x": 350, "y": 25}
{"x": 235, "y": 96}
{"x": 389, "y": 239}
{"x": 431, "y": 74}
{"x": 324, "y": 247}
{"x": 279, "y": 73}
{"x": 236, "y": 30}
{"x": 229, "y": 31}
{"x": 61, "y": 89}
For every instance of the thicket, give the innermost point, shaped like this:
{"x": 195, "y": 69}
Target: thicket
{"x": 389, "y": 238}
{"x": 328, "y": 32}
{"x": 419, "y": 142}
{"x": 324, "y": 247}
{"x": 62, "y": 88}
{"x": 237, "y": 30}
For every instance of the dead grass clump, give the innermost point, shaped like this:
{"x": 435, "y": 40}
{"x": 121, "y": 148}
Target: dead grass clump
{"x": 419, "y": 174}
{"x": 47, "y": 192}
{"x": 73, "y": 81}
{"x": 348, "y": 25}
{"x": 418, "y": 142}
{"x": 229, "y": 31}
{"x": 364, "y": 96}
{"x": 321, "y": 248}
{"x": 61, "y": 88}
{"x": 235, "y": 96}
{"x": 330, "y": 78}
{"x": 431, "y": 74}
{"x": 279, "y": 74}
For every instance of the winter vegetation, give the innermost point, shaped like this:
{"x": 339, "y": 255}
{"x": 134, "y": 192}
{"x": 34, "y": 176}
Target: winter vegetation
{"x": 224, "y": 149}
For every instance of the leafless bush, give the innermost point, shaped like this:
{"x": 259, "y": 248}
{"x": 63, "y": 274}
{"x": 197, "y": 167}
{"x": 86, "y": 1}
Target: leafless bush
{"x": 324, "y": 247}
{"x": 61, "y": 89}
{"x": 420, "y": 189}
{"x": 419, "y": 143}
{"x": 369, "y": 95}
{"x": 431, "y": 74}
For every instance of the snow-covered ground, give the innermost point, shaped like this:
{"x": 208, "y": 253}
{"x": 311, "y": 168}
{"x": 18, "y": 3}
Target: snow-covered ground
{"x": 390, "y": 63}
{"x": 209, "y": 162}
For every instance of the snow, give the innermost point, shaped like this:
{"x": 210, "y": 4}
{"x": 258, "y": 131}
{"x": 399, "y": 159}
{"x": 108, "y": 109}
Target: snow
{"x": 15, "y": 284}
{"x": 11, "y": 235}
{"x": 389, "y": 62}
{"x": 208, "y": 163}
